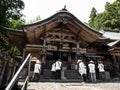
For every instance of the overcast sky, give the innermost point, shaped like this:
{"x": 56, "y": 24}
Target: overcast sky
{"x": 45, "y": 8}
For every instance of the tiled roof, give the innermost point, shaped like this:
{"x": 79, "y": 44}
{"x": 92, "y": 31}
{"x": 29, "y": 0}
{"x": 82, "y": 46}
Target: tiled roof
{"x": 110, "y": 34}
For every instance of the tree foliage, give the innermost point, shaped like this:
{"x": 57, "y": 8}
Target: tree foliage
{"x": 17, "y": 24}
{"x": 37, "y": 18}
{"x": 92, "y": 16}
{"x": 10, "y": 10}
{"x": 109, "y": 19}
{"x": 10, "y": 16}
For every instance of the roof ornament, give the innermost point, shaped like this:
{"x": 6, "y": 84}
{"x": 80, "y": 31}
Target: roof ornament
{"x": 64, "y": 9}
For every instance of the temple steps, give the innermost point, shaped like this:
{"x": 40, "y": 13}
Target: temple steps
{"x": 69, "y": 74}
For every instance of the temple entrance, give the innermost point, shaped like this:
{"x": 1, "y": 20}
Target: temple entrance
{"x": 66, "y": 58}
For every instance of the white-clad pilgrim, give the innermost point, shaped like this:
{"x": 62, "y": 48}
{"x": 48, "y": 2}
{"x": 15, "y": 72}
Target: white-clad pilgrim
{"x": 82, "y": 69}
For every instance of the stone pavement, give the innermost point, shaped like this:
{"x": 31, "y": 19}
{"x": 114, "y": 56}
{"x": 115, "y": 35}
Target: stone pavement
{"x": 73, "y": 86}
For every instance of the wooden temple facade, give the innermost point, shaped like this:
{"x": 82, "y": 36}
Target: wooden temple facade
{"x": 66, "y": 37}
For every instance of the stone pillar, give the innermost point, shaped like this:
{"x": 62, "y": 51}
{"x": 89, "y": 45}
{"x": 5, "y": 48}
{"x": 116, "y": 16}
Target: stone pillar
{"x": 63, "y": 73}
{"x": 107, "y": 76}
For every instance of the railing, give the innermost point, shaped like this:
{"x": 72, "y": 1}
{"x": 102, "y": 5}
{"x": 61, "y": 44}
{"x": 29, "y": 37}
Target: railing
{"x": 15, "y": 78}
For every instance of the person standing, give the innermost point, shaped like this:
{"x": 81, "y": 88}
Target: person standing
{"x": 37, "y": 70}
{"x": 101, "y": 70}
{"x": 82, "y": 69}
{"x": 92, "y": 72}
{"x": 58, "y": 66}
{"x": 53, "y": 70}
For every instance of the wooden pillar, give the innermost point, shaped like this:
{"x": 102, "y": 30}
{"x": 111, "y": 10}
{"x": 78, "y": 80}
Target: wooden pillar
{"x": 44, "y": 46}
{"x": 10, "y": 66}
{"x": 44, "y": 58}
{"x": 116, "y": 65}
{"x": 23, "y": 58}
{"x": 3, "y": 72}
{"x": 44, "y": 51}
{"x": 77, "y": 50}
{"x": 14, "y": 70}
{"x": 69, "y": 58}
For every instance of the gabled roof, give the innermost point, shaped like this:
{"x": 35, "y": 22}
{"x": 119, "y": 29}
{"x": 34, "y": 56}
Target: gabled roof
{"x": 17, "y": 37}
{"x": 62, "y": 13}
{"x": 83, "y": 32}
{"x": 62, "y": 19}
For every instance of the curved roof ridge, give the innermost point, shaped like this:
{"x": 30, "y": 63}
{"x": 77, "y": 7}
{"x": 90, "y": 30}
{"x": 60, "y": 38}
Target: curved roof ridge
{"x": 42, "y": 20}
{"x": 62, "y": 12}
{"x": 11, "y": 29}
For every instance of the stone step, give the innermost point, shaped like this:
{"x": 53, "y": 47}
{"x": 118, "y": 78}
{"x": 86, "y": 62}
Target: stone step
{"x": 66, "y": 80}
{"x": 69, "y": 74}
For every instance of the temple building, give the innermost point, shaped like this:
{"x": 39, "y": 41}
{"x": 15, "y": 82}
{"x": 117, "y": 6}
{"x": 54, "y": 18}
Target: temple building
{"x": 8, "y": 64}
{"x": 63, "y": 36}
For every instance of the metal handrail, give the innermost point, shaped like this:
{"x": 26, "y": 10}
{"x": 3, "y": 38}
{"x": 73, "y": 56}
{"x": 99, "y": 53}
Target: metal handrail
{"x": 14, "y": 79}
{"x": 25, "y": 83}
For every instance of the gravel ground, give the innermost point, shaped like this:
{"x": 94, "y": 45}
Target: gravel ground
{"x": 73, "y": 86}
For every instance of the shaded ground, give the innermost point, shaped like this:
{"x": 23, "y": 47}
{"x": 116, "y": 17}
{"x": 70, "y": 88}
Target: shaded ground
{"x": 73, "y": 86}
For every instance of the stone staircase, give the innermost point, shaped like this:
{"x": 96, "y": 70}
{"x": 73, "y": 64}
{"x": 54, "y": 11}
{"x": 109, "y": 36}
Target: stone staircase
{"x": 69, "y": 74}
{"x": 72, "y": 74}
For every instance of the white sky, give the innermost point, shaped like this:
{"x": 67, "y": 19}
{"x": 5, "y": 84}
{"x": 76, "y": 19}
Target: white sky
{"x": 46, "y": 8}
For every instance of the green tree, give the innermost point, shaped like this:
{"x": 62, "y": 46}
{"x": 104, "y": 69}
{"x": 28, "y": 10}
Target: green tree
{"x": 17, "y": 24}
{"x": 109, "y": 19}
{"x": 92, "y": 16}
{"x": 93, "y": 13}
{"x": 38, "y": 18}
{"x": 10, "y": 10}
{"x": 10, "y": 16}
